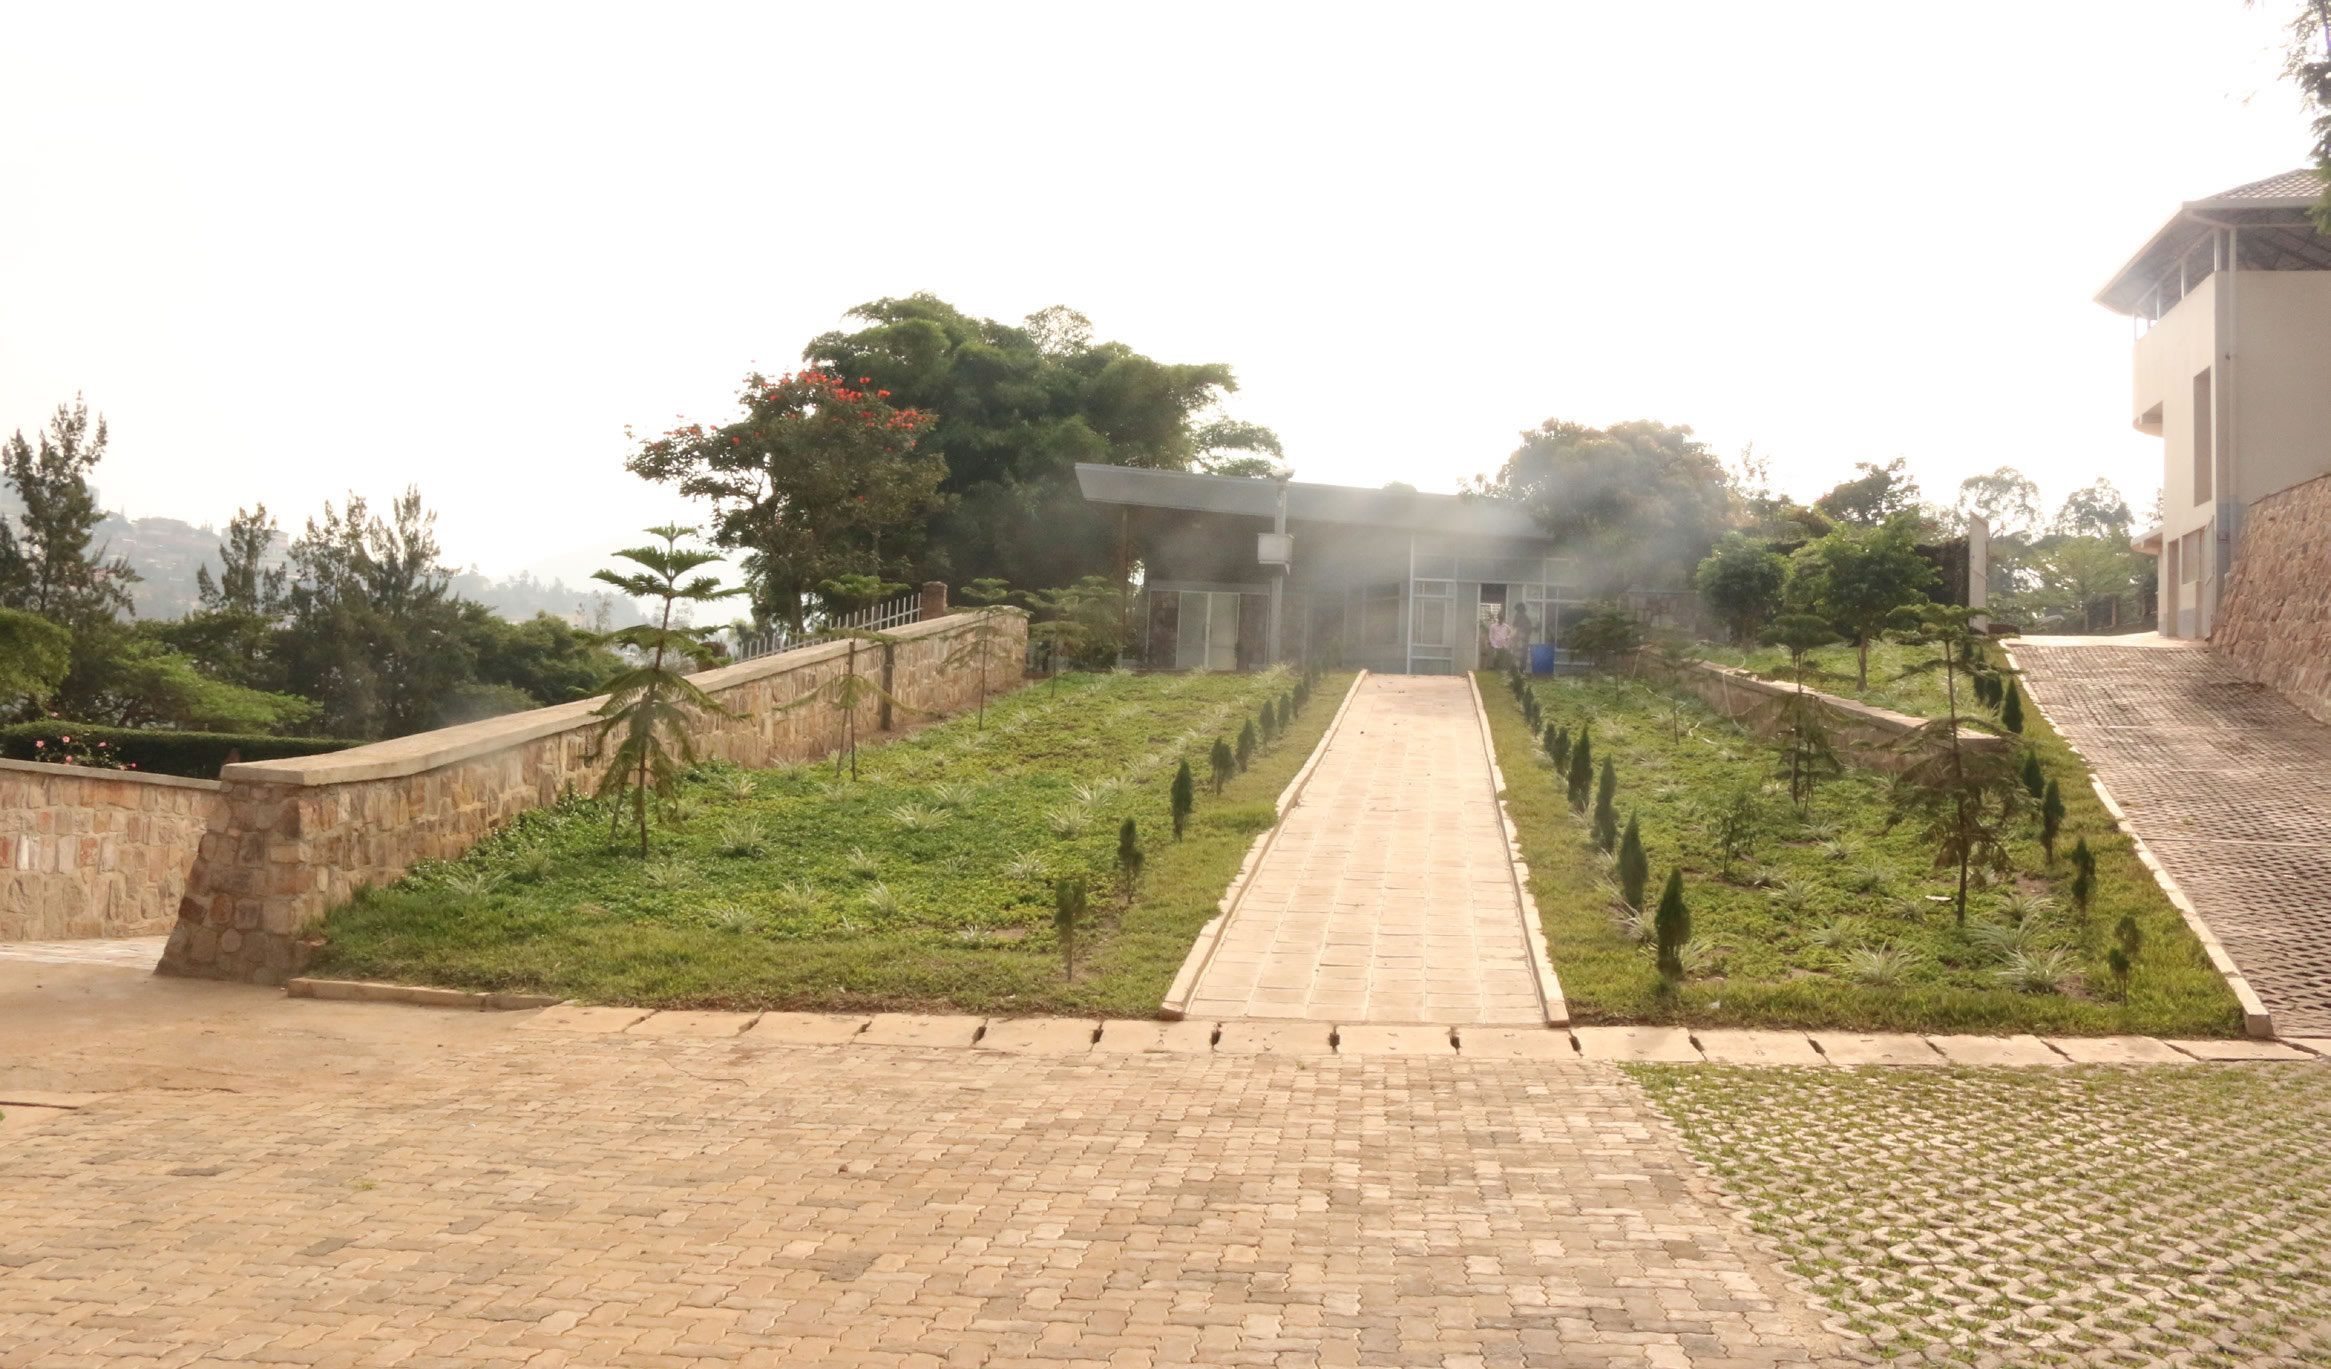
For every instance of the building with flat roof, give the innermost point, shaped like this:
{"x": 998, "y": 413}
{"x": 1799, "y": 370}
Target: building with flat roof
{"x": 1239, "y": 572}
{"x": 2232, "y": 303}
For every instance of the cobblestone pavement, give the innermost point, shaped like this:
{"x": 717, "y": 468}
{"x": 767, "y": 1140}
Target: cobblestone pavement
{"x": 1388, "y": 895}
{"x": 2138, "y": 1217}
{"x": 2229, "y": 784}
{"x": 141, "y": 951}
{"x": 555, "y": 1197}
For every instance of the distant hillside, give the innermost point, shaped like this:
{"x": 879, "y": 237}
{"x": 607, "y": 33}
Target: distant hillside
{"x": 166, "y": 552}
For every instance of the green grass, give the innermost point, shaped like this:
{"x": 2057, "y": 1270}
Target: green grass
{"x": 926, "y": 885}
{"x": 1785, "y": 936}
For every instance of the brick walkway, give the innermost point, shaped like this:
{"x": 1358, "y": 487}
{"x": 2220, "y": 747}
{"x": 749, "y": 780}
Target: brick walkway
{"x": 2228, "y": 783}
{"x": 518, "y": 1194}
{"x": 1388, "y": 896}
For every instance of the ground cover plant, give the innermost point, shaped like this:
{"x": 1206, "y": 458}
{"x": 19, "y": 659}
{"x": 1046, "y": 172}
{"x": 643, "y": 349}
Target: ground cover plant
{"x": 933, "y": 882}
{"x": 1821, "y": 914}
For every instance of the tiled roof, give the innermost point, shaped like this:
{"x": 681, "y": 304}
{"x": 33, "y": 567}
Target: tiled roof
{"x": 2306, "y": 183}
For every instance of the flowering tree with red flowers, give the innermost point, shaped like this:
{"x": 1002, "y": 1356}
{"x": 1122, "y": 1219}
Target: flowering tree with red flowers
{"x": 822, "y": 478}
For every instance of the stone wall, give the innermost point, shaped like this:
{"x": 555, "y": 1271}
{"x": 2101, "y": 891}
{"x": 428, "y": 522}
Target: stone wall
{"x": 87, "y": 853}
{"x": 2275, "y": 618}
{"x": 1863, "y": 734}
{"x": 296, "y": 837}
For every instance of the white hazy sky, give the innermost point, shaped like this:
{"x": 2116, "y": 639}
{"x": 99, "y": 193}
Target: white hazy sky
{"x": 295, "y": 251}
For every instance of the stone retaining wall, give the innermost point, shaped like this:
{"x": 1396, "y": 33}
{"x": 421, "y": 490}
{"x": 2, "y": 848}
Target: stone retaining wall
{"x": 1862, "y": 733}
{"x": 2275, "y": 618}
{"x": 88, "y": 853}
{"x": 298, "y": 836}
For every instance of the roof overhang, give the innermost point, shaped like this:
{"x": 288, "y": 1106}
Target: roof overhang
{"x": 1408, "y": 510}
{"x": 2287, "y": 211}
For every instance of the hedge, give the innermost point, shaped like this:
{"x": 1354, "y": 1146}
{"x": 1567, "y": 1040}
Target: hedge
{"x": 197, "y": 755}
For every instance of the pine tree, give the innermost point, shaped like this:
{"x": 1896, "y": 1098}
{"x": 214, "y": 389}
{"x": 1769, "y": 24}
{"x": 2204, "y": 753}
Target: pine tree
{"x": 1558, "y": 749}
{"x": 1672, "y": 927}
{"x": 2011, "y": 712}
{"x": 1224, "y": 763}
{"x": 1606, "y": 816}
{"x": 1246, "y": 745}
{"x": 2083, "y": 874}
{"x": 1267, "y": 724}
{"x": 1129, "y": 853}
{"x": 1286, "y": 714}
{"x": 1184, "y": 797}
{"x": 2051, "y": 818}
{"x": 1634, "y": 865}
{"x": 2034, "y": 779}
{"x": 1068, "y": 908}
{"x": 649, "y": 705}
{"x": 1581, "y": 770}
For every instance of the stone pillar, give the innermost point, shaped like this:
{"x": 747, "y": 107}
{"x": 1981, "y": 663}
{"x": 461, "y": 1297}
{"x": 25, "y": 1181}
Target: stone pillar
{"x": 1979, "y": 569}
{"x": 934, "y": 599}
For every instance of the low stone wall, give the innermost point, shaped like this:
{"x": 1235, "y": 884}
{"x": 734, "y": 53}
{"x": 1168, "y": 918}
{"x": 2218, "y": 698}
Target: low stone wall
{"x": 88, "y": 853}
{"x": 2275, "y": 618}
{"x": 1863, "y": 734}
{"x": 298, "y": 836}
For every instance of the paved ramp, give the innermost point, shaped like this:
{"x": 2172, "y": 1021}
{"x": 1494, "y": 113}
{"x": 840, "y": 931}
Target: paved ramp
{"x": 2227, "y": 781}
{"x": 1389, "y": 894}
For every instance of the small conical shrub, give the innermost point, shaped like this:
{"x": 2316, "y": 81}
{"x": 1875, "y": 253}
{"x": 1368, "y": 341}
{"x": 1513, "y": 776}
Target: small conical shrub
{"x": 2129, "y": 935}
{"x": 1634, "y": 865}
{"x": 1246, "y": 745}
{"x": 2035, "y": 780}
{"x": 1184, "y": 797}
{"x": 1128, "y": 852}
{"x": 1558, "y": 749}
{"x": 1225, "y": 764}
{"x": 1672, "y": 927}
{"x": 1581, "y": 770}
{"x": 1266, "y": 724}
{"x": 2118, "y": 961}
{"x": 1987, "y": 690}
{"x": 1606, "y": 816}
{"x": 1068, "y": 908}
{"x": 1286, "y": 714}
{"x": 1530, "y": 711}
{"x": 2051, "y": 818}
{"x": 2011, "y": 712}
{"x": 2083, "y": 874}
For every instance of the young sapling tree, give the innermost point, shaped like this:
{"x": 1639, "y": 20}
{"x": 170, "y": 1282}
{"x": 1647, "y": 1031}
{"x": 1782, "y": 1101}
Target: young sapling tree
{"x": 2083, "y": 874}
{"x": 648, "y": 706}
{"x": 2035, "y": 780}
{"x": 1068, "y": 909}
{"x": 1558, "y": 749}
{"x": 1246, "y": 745}
{"x": 1961, "y": 799}
{"x": 1224, "y": 764}
{"x": 1606, "y": 815}
{"x": 2051, "y": 818}
{"x": 1184, "y": 797}
{"x": 2011, "y": 712}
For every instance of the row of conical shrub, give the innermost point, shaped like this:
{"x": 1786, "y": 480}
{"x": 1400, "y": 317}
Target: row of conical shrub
{"x": 1573, "y": 759}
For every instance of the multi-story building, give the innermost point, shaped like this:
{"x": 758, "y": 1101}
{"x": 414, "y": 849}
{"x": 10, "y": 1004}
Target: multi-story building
{"x": 2232, "y": 303}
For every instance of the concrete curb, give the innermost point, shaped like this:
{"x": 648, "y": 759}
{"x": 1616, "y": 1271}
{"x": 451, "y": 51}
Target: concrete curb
{"x": 1550, "y": 1000}
{"x": 367, "y": 991}
{"x": 2256, "y": 1020}
{"x": 1178, "y": 994}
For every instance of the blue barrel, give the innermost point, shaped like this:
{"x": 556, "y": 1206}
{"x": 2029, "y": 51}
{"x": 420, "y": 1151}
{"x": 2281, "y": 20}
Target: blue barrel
{"x": 1542, "y": 659}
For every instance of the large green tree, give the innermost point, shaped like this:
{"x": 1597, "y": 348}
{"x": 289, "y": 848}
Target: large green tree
{"x": 373, "y": 632}
{"x": 1016, "y": 407}
{"x": 1638, "y": 503}
{"x": 826, "y": 474}
{"x": 2307, "y": 61}
{"x": 1876, "y": 496}
{"x": 1741, "y": 583}
{"x": 1857, "y": 576}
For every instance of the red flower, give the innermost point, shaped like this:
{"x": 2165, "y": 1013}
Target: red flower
{"x": 884, "y": 394}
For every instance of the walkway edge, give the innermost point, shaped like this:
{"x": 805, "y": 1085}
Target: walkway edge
{"x": 1550, "y": 999}
{"x": 1185, "y": 985}
{"x": 2256, "y": 1020}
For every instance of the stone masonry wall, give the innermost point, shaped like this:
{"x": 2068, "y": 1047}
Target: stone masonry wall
{"x": 2275, "y": 618}
{"x": 302, "y": 835}
{"x": 1865, "y": 735}
{"x": 87, "y": 853}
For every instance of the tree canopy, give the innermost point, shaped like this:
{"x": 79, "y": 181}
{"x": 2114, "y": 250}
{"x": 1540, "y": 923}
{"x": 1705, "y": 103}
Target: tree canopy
{"x": 1014, "y": 408}
{"x": 1877, "y": 495}
{"x": 1635, "y": 502}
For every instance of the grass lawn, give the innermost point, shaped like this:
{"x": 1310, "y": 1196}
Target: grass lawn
{"x": 1831, "y": 920}
{"x": 925, "y": 885}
